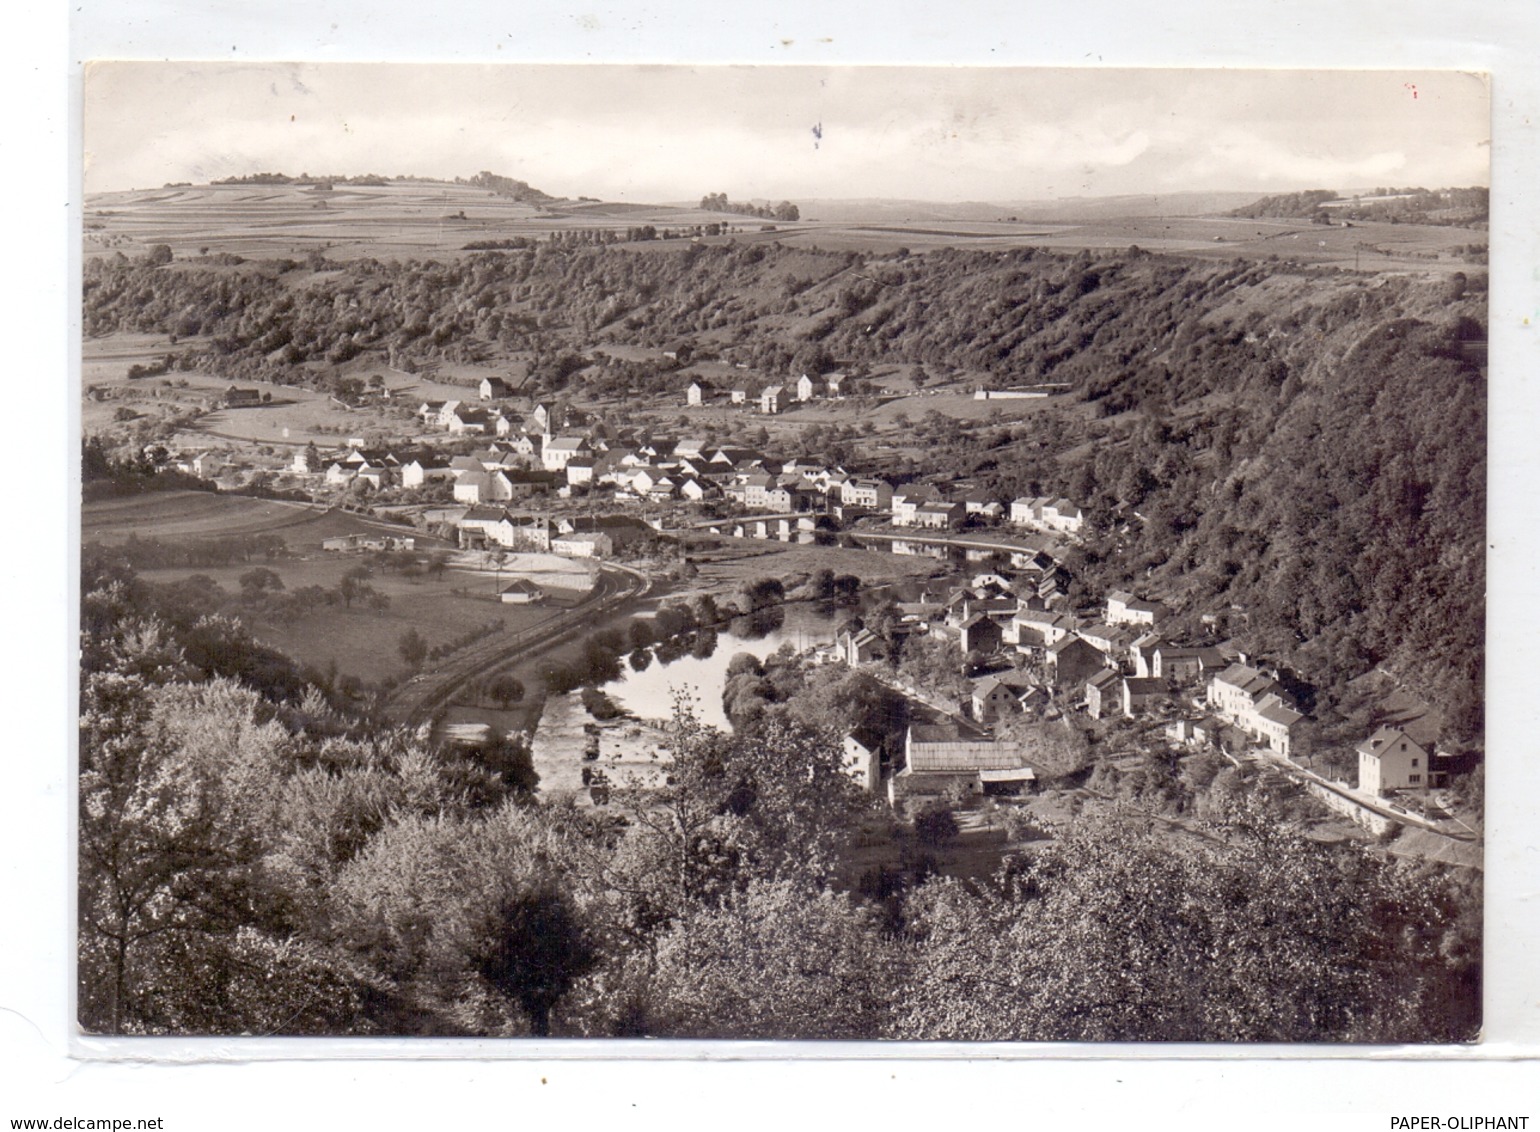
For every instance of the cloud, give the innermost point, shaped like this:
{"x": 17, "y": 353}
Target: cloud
{"x": 674, "y": 133}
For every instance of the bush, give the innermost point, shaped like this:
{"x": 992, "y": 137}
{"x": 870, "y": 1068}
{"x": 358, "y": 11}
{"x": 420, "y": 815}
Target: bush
{"x": 935, "y": 826}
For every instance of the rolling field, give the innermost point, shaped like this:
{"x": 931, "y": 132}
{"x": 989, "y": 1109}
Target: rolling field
{"x": 196, "y": 514}
{"x": 422, "y": 218}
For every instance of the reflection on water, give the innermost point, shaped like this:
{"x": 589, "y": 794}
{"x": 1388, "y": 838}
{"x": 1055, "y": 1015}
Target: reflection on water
{"x": 693, "y": 665}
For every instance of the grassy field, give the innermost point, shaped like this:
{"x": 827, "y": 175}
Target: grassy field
{"x": 362, "y": 641}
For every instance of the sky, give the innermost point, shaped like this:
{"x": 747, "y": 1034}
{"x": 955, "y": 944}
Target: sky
{"x": 635, "y": 133}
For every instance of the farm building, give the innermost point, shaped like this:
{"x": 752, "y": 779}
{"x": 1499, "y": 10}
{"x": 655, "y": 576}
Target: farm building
{"x": 493, "y": 388}
{"x": 940, "y": 755}
{"x": 346, "y": 543}
{"x": 235, "y": 398}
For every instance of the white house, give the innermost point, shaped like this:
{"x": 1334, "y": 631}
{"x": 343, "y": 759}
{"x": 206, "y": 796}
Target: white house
{"x": 1125, "y": 609}
{"x": 1254, "y": 702}
{"x": 770, "y": 399}
{"x": 558, "y": 450}
{"x": 1390, "y": 760}
{"x": 805, "y": 388}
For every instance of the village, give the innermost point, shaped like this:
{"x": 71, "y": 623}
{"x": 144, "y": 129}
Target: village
{"x": 500, "y": 474}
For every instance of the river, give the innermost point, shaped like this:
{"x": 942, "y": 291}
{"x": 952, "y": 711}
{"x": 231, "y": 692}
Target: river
{"x": 695, "y": 666}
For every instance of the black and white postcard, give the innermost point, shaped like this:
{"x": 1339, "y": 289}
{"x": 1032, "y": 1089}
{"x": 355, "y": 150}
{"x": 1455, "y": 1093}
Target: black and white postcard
{"x": 782, "y": 552}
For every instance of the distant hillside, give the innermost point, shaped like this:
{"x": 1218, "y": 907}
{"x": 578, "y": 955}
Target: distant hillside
{"x": 1466, "y": 208}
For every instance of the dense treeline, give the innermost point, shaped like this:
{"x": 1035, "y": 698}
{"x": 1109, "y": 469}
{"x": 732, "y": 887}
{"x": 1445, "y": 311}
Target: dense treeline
{"x": 718, "y": 202}
{"x": 256, "y": 860}
{"x": 1298, "y": 450}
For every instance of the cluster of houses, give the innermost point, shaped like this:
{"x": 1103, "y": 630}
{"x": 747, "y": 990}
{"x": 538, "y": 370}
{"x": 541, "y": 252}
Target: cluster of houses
{"x": 1119, "y": 663}
{"x": 464, "y": 418}
{"x": 772, "y": 398}
{"x": 488, "y": 526}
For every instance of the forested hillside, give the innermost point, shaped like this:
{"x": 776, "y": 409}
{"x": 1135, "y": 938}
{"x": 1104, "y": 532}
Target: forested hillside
{"x": 1298, "y": 451}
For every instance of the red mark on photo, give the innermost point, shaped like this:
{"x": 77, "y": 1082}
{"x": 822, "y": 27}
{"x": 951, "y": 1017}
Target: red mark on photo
{"x": 1411, "y": 87}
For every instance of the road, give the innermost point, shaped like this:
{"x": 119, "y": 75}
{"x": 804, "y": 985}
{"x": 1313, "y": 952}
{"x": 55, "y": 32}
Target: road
{"x": 415, "y": 701}
{"x": 1452, "y": 828}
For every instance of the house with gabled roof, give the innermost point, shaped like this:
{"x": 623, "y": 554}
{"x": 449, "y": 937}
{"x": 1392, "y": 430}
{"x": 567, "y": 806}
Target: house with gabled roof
{"x": 466, "y": 421}
{"x": 937, "y": 515}
{"x": 1062, "y": 515}
{"x": 1143, "y": 693}
{"x": 425, "y": 469}
{"x": 580, "y": 470}
{"x": 756, "y": 490}
{"x": 806, "y": 388}
{"x": 1111, "y": 641}
{"x": 1391, "y": 760}
{"x": 1026, "y": 511}
{"x": 980, "y": 633}
{"x": 993, "y": 698}
{"x": 1141, "y": 653}
{"x": 493, "y": 388}
{"x": 1072, "y": 660}
{"x": 863, "y": 756}
{"x": 1103, "y": 693}
{"x": 699, "y": 392}
{"x": 770, "y": 399}
{"x": 1255, "y": 702}
{"x": 522, "y": 591}
{"x": 866, "y": 492}
{"x": 858, "y": 647}
{"x": 555, "y": 454}
{"x": 483, "y": 487}
{"x": 1183, "y": 664}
